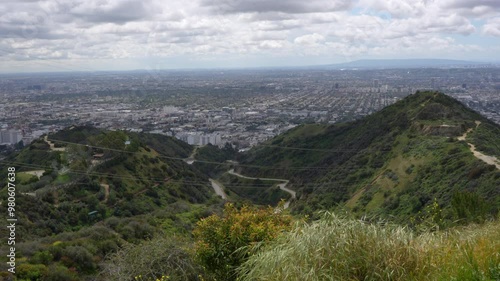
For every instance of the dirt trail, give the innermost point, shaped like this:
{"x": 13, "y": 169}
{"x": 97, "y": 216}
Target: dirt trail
{"x": 190, "y": 160}
{"x": 37, "y": 173}
{"x": 491, "y": 160}
{"x": 52, "y": 146}
{"x": 218, "y": 189}
{"x": 281, "y": 186}
{"x": 106, "y": 191}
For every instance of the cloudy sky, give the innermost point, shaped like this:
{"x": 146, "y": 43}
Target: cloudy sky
{"x": 81, "y": 35}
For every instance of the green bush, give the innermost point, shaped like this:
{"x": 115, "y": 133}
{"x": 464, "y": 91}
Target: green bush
{"x": 42, "y": 257}
{"x": 79, "y": 257}
{"x": 31, "y": 272}
{"x": 60, "y": 273}
{"x": 224, "y": 243}
{"x": 151, "y": 259}
{"x": 469, "y": 207}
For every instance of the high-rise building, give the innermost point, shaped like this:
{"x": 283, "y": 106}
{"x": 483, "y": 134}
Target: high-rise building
{"x": 200, "y": 139}
{"x": 5, "y": 137}
{"x": 10, "y": 136}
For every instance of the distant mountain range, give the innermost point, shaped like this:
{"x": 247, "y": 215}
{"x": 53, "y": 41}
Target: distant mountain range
{"x": 404, "y": 63}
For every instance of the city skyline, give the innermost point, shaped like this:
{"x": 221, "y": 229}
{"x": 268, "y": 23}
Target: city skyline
{"x": 59, "y": 35}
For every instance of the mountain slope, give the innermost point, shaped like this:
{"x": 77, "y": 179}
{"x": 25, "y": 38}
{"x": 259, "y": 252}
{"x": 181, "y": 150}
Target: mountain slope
{"x": 84, "y": 170}
{"x": 392, "y": 163}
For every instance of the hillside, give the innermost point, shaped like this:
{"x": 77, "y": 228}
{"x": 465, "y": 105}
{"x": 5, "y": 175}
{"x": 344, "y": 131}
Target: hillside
{"x": 393, "y": 163}
{"x": 96, "y": 190}
{"x": 80, "y": 170}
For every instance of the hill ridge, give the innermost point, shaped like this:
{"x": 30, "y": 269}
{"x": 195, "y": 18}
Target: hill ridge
{"x": 409, "y": 150}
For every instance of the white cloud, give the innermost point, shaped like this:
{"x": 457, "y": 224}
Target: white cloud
{"x": 271, "y": 44}
{"x": 397, "y": 8}
{"x": 64, "y": 30}
{"x": 309, "y": 39}
{"x": 285, "y": 6}
{"x": 492, "y": 27}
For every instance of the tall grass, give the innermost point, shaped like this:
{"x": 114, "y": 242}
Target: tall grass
{"x": 337, "y": 248}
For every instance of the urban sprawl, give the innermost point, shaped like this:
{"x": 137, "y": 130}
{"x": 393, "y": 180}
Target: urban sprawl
{"x": 241, "y": 107}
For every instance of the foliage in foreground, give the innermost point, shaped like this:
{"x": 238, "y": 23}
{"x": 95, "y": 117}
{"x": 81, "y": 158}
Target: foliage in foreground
{"x": 336, "y": 248}
{"x": 223, "y": 243}
{"x": 158, "y": 258}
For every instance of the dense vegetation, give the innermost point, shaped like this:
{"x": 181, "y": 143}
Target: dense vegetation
{"x": 391, "y": 164}
{"x": 212, "y": 160}
{"x": 97, "y": 191}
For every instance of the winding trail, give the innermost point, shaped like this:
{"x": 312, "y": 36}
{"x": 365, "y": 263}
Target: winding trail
{"x": 52, "y": 146}
{"x": 190, "y": 160}
{"x": 37, "y": 173}
{"x": 281, "y": 186}
{"x": 491, "y": 160}
{"x": 218, "y": 189}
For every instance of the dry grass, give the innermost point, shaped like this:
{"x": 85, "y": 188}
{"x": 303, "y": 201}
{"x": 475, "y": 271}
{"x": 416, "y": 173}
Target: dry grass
{"x": 336, "y": 248}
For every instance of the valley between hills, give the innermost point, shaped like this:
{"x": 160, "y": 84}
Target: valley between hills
{"x": 407, "y": 193}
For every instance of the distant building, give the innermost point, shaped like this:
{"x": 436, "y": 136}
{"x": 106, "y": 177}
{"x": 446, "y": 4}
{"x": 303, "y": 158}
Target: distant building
{"x": 10, "y": 136}
{"x": 200, "y": 139}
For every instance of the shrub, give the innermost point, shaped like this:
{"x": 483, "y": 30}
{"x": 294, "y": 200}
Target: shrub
{"x": 78, "y": 257}
{"x": 32, "y": 272}
{"x": 223, "y": 243}
{"x": 42, "y": 257}
{"x": 151, "y": 259}
{"x": 469, "y": 207}
{"x": 60, "y": 273}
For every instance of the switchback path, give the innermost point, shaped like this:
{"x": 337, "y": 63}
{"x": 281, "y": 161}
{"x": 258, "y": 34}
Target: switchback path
{"x": 281, "y": 186}
{"x": 215, "y": 185}
{"x": 491, "y": 160}
{"x": 220, "y": 191}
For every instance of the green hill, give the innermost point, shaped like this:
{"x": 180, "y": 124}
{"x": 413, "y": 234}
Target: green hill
{"x": 115, "y": 173}
{"x": 82, "y": 192}
{"x": 394, "y": 163}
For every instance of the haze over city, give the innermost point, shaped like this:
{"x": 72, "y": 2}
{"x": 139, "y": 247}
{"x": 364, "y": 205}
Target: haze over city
{"x": 223, "y": 140}
{"x": 58, "y": 35}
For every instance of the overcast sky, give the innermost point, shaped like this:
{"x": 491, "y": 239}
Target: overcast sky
{"x": 82, "y": 35}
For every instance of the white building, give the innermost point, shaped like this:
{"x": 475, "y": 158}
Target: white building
{"x": 200, "y": 138}
{"x": 10, "y": 136}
